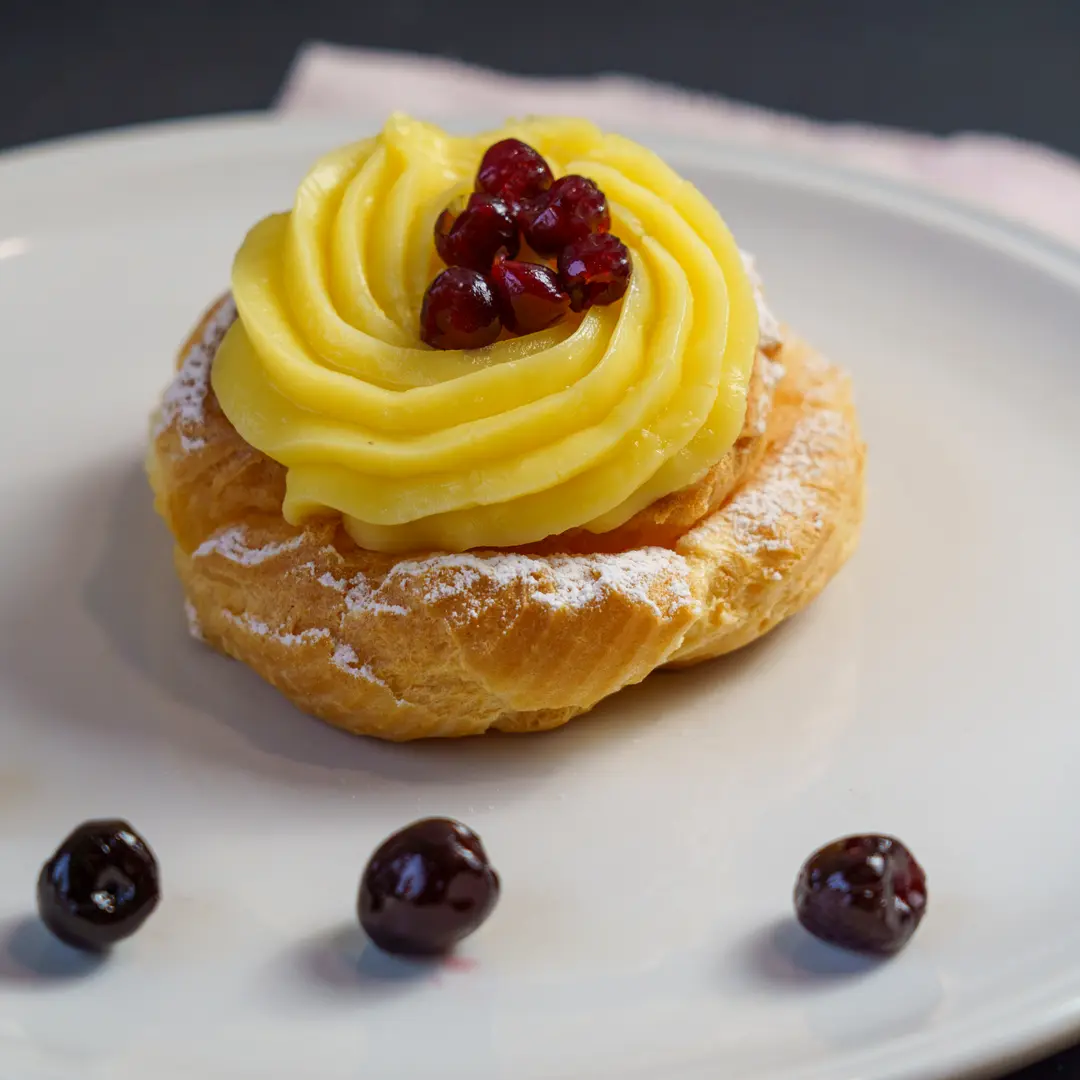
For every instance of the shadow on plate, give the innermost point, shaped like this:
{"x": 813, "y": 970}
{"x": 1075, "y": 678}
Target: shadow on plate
{"x": 866, "y": 1000}
{"x": 93, "y": 633}
{"x": 784, "y": 954}
{"x": 30, "y": 954}
{"x": 343, "y": 960}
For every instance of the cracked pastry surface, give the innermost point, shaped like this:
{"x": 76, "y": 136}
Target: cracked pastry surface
{"x": 406, "y": 646}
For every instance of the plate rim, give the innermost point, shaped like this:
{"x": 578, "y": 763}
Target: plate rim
{"x": 230, "y": 131}
{"x": 1039, "y": 1023}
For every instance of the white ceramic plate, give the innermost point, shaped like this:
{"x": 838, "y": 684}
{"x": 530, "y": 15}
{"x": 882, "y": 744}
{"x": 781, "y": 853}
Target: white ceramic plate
{"x": 647, "y": 852}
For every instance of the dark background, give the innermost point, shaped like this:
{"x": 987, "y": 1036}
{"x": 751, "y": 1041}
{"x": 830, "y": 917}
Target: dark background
{"x": 933, "y": 65}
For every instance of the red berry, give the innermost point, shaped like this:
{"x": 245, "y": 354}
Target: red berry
{"x": 513, "y": 170}
{"x": 473, "y": 235}
{"x": 459, "y": 311}
{"x": 595, "y": 270}
{"x": 529, "y": 295}
{"x": 571, "y": 210}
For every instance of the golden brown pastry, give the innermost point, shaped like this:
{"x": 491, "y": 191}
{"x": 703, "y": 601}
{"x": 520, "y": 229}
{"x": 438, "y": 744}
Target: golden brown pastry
{"x": 440, "y": 645}
{"x": 405, "y": 644}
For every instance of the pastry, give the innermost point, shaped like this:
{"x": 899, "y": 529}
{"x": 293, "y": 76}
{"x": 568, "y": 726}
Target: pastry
{"x": 638, "y": 467}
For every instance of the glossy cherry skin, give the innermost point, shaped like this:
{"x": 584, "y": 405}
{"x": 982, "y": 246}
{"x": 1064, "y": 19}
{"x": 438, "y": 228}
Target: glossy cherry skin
{"x": 572, "y": 209}
{"x": 460, "y": 311}
{"x": 99, "y": 887}
{"x": 529, "y": 295}
{"x": 594, "y": 271}
{"x": 514, "y": 171}
{"x": 426, "y": 888}
{"x": 472, "y": 236}
{"x": 864, "y": 893}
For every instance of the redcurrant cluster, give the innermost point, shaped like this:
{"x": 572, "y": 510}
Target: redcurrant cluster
{"x": 485, "y": 287}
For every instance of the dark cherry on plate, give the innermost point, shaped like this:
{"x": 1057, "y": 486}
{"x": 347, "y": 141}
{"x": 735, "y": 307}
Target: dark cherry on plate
{"x": 594, "y": 270}
{"x": 573, "y": 208}
{"x": 472, "y": 235}
{"x": 529, "y": 295}
{"x": 427, "y": 887}
{"x": 460, "y": 311}
{"x": 99, "y": 887}
{"x": 514, "y": 171}
{"x": 864, "y": 893}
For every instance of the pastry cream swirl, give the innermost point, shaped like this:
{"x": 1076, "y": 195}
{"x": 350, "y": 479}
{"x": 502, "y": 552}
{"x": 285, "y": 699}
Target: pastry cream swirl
{"x": 582, "y": 425}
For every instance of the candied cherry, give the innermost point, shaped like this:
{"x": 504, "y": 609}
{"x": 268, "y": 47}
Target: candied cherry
{"x": 514, "y": 171}
{"x": 473, "y": 234}
{"x": 427, "y": 887}
{"x": 529, "y": 295}
{"x": 594, "y": 270}
{"x": 99, "y": 887}
{"x": 459, "y": 311}
{"x": 572, "y": 209}
{"x": 864, "y": 893}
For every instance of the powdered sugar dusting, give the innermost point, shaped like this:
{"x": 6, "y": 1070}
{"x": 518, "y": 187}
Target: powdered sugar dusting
{"x": 560, "y": 583}
{"x": 785, "y": 492}
{"x": 194, "y": 624}
{"x": 185, "y": 399}
{"x": 362, "y": 597}
{"x": 772, "y": 371}
{"x": 359, "y": 594}
{"x": 563, "y": 582}
{"x": 257, "y": 626}
{"x": 231, "y": 544}
{"x": 769, "y": 332}
{"x": 344, "y": 656}
{"x": 346, "y": 660}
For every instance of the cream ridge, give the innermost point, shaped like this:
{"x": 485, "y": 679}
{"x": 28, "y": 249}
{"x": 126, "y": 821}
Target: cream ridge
{"x": 582, "y": 425}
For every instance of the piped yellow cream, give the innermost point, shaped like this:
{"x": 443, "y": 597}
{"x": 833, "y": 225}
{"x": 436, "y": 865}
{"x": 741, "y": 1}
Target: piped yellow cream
{"x": 580, "y": 426}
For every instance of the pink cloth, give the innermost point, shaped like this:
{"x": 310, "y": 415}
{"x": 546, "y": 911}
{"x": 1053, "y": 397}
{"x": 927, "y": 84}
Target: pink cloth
{"x": 1025, "y": 181}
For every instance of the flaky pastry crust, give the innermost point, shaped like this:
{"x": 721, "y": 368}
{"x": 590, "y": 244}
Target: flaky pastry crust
{"x": 407, "y": 647}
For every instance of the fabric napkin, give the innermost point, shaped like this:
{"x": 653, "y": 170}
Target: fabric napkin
{"x": 1024, "y": 181}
